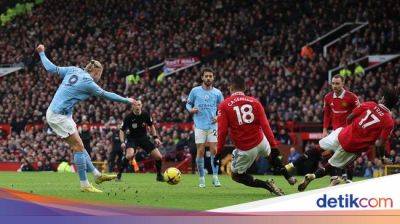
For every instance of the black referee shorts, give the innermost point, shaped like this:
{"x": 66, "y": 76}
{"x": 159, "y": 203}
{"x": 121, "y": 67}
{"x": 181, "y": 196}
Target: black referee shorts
{"x": 143, "y": 142}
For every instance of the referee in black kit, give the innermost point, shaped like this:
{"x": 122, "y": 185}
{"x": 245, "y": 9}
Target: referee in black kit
{"x": 133, "y": 134}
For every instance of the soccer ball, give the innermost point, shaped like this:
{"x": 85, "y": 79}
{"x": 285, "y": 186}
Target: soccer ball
{"x": 172, "y": 175}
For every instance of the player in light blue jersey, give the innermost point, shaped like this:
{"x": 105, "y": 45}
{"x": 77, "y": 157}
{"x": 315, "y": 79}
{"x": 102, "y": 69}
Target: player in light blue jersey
{"x": 203, "y": 102}
{"x": 77, "y": 85}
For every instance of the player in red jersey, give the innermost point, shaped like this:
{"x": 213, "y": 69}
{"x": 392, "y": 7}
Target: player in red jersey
{"x": 338, "y": 104}
{"x": 371, "y": 123}
{"x": 245, "y": 120}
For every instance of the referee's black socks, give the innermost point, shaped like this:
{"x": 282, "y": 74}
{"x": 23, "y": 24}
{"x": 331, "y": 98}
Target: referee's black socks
{"x": 158, "y": 166}
{"x": 123, "y": 165}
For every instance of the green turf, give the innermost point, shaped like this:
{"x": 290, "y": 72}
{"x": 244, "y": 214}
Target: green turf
{"x": 143, "y": 190}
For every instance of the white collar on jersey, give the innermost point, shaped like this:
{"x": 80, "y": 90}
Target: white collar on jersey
{"x": 237, "y": 93}
{"x": 340, "y": 96}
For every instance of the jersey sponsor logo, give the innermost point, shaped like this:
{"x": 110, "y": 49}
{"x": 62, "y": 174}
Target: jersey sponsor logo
{"x": 344, "y": 104}
{"x": 134, "y": 125}
{"x": 205, "y": 105}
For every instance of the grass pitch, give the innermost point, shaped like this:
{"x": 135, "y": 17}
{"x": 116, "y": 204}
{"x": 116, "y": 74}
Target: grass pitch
{"x": 143, "y": 190}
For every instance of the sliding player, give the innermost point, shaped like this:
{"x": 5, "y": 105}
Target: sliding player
{"x": 372, "y": 124}
{"x": 245, "y": 120}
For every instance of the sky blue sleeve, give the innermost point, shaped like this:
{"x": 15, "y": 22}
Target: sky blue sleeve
{"x": 96, "y": 90}
{"x": 220, "y": 97}
{"x": 190, "y": 101}
{"x": 52, "y": 68}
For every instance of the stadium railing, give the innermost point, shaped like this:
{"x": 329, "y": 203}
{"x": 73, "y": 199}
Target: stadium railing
{"x": 391, "y": 169}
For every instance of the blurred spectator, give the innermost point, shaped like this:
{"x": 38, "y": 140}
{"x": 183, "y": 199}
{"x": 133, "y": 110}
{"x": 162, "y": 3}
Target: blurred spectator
{"x": 307, "y": 52}
{"x": 294, "y": 155}
{"x": 283, "y": 137}
{"x": 183, "y": 143}
{"x": 47, "y": 166}
{"x": 392, "y": 156}
{"x": 359, "y": 167}
{"x": 86, "y": 136}
{"x": 25, "y": 166}
{"x": 377, "y": 168}
{"x": 369, "y": 171}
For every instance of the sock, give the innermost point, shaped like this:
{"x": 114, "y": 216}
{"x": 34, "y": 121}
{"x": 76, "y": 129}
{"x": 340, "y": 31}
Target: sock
{"x": 248, "y": 180}
{"x": 260, "y": 184}
{"x": 123, "y": 165}
{"x": 277, "y": 164}
{"x": 158, "y": 166}
{"x": 89, "y": 165}
{"x": 80, "y": 162}
{"x": 350, "y": 173}
{"x": 335, "y": 172}
{"x": 321, "y": 172}
{"x": 200, "y": 166}
{"x": 213, "y": 167}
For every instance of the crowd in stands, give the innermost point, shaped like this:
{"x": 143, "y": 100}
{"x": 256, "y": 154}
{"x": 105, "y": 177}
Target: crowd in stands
{"x": 257, "y": 39}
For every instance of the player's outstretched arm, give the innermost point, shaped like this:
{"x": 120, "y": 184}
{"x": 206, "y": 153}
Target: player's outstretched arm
{"x": 96, "y": 90}
{"x": 48, "y": 65}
